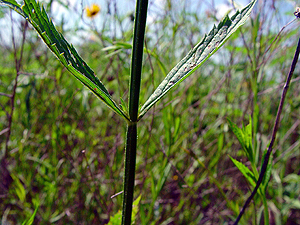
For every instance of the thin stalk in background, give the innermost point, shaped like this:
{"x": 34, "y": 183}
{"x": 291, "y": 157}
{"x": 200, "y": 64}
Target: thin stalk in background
{"x": 18, "y": 59}
{"x": 135, "y": 81}
{"x": 275, "y": 128}
{"x": 18, "y": 64}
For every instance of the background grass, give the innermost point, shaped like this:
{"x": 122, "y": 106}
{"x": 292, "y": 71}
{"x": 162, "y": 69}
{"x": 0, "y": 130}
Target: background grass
{"x": 55, "y": 118}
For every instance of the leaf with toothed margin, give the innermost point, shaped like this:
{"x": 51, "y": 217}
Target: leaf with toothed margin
{"x": 198, "y": 55}
{"x": 36, "y": 15}
{"x": 13, "y": 5}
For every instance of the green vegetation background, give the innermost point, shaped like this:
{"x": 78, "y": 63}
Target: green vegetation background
{"x": 55, "y": 118}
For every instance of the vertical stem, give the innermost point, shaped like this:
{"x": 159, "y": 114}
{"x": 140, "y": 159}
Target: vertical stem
{"x": 266, "y": 209}
{"x": 130, "y": 158}
{"x": 137, "y": 57}
{"x": 135, "y": 81}
{"x": 18, "y": 63}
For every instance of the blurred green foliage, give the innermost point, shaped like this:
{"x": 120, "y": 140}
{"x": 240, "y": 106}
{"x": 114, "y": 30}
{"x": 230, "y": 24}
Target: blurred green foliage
{"x": 55, "y": 118}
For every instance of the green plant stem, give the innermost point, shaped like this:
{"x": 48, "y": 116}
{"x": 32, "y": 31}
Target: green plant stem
{"x": 266, "y": 209}
{"x": 135, "y": 81}
{"x": 129, "y": 176}
{"x": 137, "y": 57}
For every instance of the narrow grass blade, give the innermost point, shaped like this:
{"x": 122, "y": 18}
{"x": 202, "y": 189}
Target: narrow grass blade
{"x": 199, "y": 54}
{"x": 267, "y": 175}
{"x": 35, "y": 14}
{"x": 31, "y": 219}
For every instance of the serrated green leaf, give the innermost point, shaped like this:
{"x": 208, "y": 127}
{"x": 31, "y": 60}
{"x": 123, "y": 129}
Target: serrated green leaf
{"x": 238, "y": 132}
{"x": 244, "y": 137}
{"x": 12, "y": 3}
{"x": 245, "y": 171}
{"x": 248, "y": 140}
{"x": 35, "y": 14}
{"x": 198, "y": 55}
{"x": 248, "y": 135}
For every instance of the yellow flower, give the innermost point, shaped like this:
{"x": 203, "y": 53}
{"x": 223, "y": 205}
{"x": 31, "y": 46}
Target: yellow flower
{"x": 93, "y": 10}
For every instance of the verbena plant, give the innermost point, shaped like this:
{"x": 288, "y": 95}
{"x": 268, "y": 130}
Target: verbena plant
{"x": 36, "y": 15}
